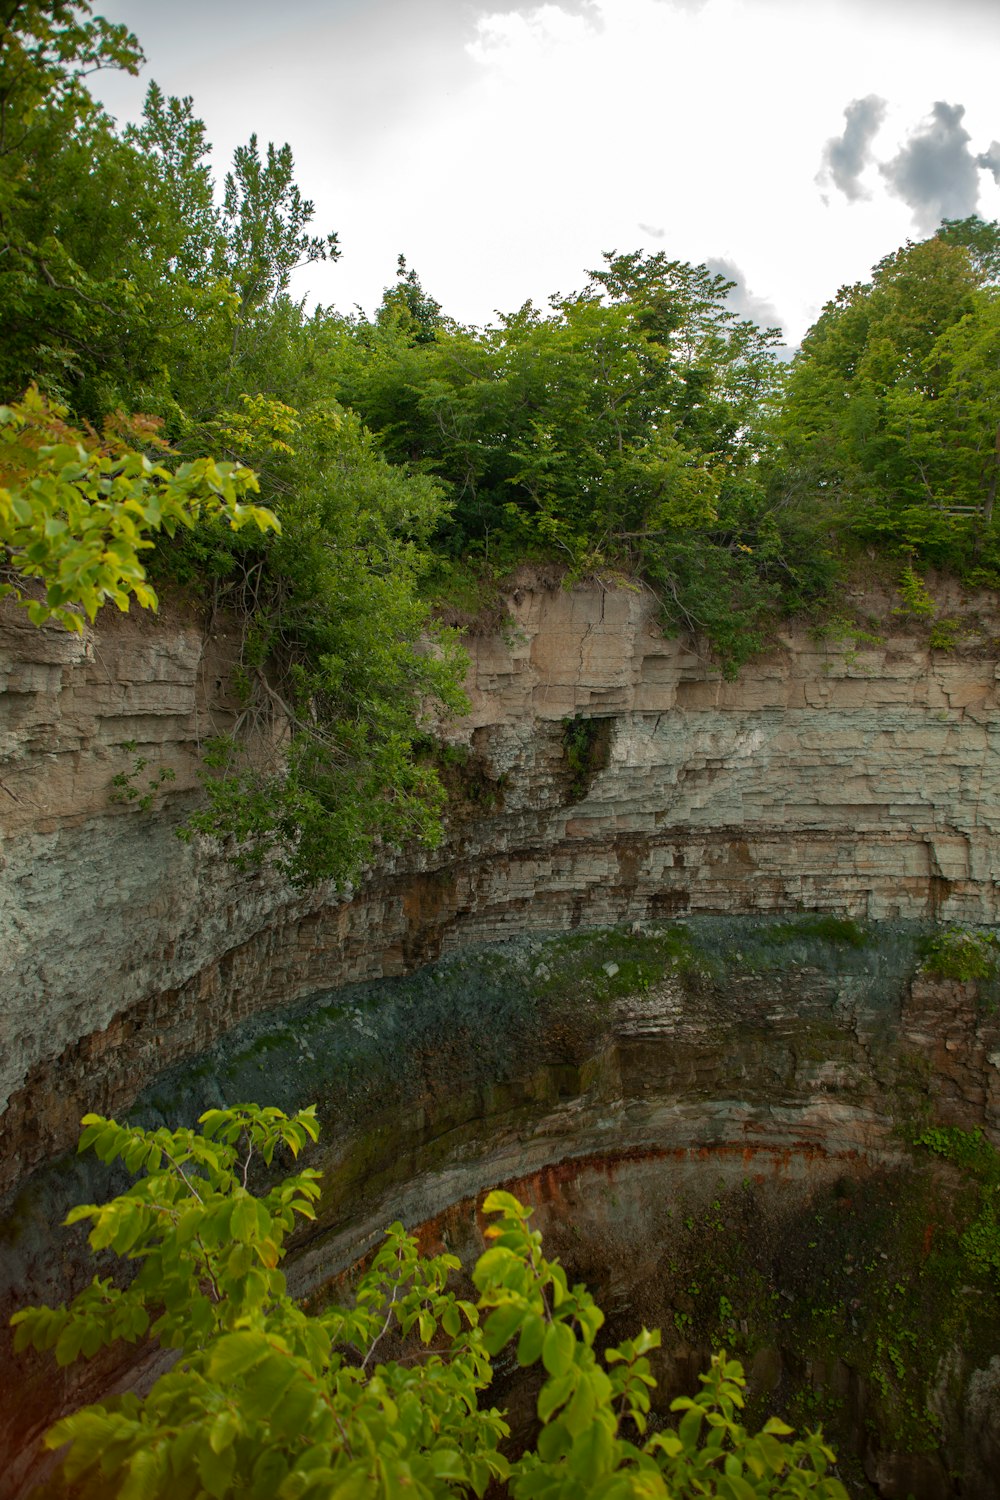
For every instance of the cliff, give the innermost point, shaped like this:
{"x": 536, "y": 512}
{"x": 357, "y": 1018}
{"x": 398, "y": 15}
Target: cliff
{"x": 604, "y": 775}
{"x": 829, "y": 777}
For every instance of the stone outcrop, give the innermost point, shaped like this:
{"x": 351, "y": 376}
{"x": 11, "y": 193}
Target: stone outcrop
{"x": 605, "y": 774}
{"x": 862, "y": 780}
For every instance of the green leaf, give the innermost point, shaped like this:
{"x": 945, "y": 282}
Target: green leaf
{"x": 737, "y": 1488}
{"x": 145, "y": 1473}
{"x": 558, "y": 1348}
{"x": 215, "y": 1469}
{"x": 224, "y": 1430}
{"x": 235, "y": 1354}
{"x": 689, "y": 1427}
{"x": 501, "y": 1326}
{"x": 243, "y": 1220}
{"x": 580, "y": 1412}
{"x": 529, "y": 1345}
{"x": 499, "y": 1202}
{"x": 555, "y": 1393}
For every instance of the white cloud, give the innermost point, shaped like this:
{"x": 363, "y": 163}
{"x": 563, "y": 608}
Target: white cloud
{"x": 504, "y": 148}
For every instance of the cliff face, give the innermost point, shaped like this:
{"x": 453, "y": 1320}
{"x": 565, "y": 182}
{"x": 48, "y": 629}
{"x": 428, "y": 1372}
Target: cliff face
{"x": 828, "y": 777}
{"x": 603, "y": 775}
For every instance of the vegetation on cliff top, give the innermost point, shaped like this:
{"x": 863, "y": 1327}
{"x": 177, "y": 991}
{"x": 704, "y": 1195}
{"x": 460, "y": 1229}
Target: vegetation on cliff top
{"x": 634, "y": 427}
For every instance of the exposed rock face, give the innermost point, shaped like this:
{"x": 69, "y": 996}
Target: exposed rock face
{"x": 826, "y": 779}
{"x": 858, "y": 781}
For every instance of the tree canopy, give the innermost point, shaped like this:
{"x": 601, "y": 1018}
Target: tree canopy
{"x": 893, "y": 407}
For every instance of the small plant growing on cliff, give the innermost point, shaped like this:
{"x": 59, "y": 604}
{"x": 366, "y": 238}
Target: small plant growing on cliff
{"x": 267, "y": 1401}
{"x": 962, "y": 953}
{"x": 917, "y": 602}
{"x": 126, "y": 786}
{"x": 970, "y": 1150}
{"x": 586, "y": 747}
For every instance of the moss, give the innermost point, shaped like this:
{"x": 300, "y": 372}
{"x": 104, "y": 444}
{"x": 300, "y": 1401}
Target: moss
{"x": 961, "y": 953}
{"x": 827, "y": 928}
{"x": 611, "y": 963}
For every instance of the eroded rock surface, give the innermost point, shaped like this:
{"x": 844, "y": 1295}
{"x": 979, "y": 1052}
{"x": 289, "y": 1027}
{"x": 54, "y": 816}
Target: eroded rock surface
{"x": 829, "y": 778}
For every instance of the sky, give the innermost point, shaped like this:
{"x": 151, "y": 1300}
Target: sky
{"x": 503, "y": 147}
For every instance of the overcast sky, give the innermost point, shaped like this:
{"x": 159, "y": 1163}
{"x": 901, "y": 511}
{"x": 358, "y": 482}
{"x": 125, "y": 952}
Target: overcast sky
{"x": 503, "y": 147}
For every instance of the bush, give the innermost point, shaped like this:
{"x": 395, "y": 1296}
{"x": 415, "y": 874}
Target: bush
{"x": 962, "y": 953}
{"x": 266, "y": 1401}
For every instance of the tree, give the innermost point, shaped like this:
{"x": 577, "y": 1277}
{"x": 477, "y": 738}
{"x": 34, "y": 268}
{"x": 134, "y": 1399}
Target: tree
{"x": 51, "y": 130}
{"x": 266, "y": 221}
{"x": 981, "y": 239}
{"x": 329, "y": 670}
{"x": 180, "y": 201}
{"x": 629, "y": 411}
{"x": 892, "y": 407}
{"x": 76, "y": 510}
{"x": 409, "y": 307}
{"x": 368, "y": 1400}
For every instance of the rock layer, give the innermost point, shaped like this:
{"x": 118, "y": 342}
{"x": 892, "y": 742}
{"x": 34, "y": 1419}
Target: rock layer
{"x": 828, "y": 777}
{"x": 606, "y": 774}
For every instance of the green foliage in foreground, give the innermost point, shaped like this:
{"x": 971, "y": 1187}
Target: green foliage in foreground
{"x": 76, "y": 511}
{"x": 384, "y": 1396}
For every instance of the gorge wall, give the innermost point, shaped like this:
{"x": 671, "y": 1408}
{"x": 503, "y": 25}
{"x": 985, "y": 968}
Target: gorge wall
{"x": 829, "y": 777}
{"x": 604, "y": 775}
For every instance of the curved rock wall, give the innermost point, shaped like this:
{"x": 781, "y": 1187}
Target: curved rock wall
{"x": 603, "y": 774}
{"x": 828, "y": 777}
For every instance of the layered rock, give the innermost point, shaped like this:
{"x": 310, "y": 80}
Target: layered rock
{"x": 826, "y": 777}
{"x": 607, "y": 774}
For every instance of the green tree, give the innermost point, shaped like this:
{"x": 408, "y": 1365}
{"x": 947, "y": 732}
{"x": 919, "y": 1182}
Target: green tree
{"x": 626, "y": 412}
{"x": 408, "y": 307}
{"x": 76, "y": 511}
{"x": 332, "y": 684}
{"x": 179, "y": 200}
{"x": 893, "y": 404}
{"x": 52, "y": 134}
{"x": 266, "y": 222}
{"x": 981, "y": 239}
{"x": 387, "y": 1394}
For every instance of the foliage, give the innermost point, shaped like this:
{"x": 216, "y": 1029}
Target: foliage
{"x": 962, "y": 953}
{"x": 891, "y": 411}
{"x": 627, "y": 428}
{"x": 267, "y": 221}
{"x": 76, "y": 510}
{"x": 586, "y": 745}
{"x": 325, "y": 757}
{"x": 129, "y": 790}
{"x": 267, "y": 1401}
{"x": 980, "y": 1241}
{"x": 408, "y": 309}
{"x": 130, "y": 289}
{"x": 827, "y": 928}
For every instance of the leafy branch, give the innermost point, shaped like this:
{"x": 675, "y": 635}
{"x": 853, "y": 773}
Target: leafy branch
{"x": 267, "y": 1401}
